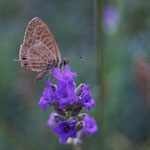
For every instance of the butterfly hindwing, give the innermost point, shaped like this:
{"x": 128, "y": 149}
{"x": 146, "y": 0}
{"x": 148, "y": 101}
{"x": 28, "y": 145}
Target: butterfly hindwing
{"x": 39, "y": 47}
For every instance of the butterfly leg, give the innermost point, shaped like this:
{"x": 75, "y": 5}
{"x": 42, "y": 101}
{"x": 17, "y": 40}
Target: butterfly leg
{"x": 41, "y": 75}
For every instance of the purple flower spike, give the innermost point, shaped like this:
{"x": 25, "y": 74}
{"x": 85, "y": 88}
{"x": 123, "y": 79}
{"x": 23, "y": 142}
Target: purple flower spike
{"x": 68, "y": 101}
{"x": 46, "y": 96}
{"x": 65, "y": 131}
{"x": 90, "y": 126}
{"x": 65, "y": 75}
{"x": 86, "y": 98}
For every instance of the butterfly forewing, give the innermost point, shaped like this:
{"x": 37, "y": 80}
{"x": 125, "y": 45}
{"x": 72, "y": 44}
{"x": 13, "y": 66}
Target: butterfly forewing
{"x": 39, "y": 47}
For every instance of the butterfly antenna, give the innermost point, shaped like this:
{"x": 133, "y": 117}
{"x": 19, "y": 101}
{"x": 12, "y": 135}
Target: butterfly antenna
{"x": 71, "y": 58}
{"x": 76, "y": 57}
{"x": 81, "y": 65}
{"x": 80, "y": 57}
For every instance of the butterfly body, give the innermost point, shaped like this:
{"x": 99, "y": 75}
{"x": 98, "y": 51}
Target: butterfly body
{"x": 39, "y": 51}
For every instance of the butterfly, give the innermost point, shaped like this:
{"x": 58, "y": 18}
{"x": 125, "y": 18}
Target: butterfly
{"x": 39, "y": 51}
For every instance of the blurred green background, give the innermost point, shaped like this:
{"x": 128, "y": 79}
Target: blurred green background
{"x": 113, "y": 36}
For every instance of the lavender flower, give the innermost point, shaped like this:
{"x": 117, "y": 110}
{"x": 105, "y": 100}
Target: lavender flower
{"x": 90, "y": 126}
{"x": 110, "y": 17}
{"x": 65, "y": 130}
{"x": 86, "y": 98}
{"x": 68, "y": 101}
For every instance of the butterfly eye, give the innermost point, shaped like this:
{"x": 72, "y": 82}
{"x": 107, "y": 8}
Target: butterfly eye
{"x": 25, "y": 63}
{"x": 23, "y": 57}
{"x": 64, "y": 63}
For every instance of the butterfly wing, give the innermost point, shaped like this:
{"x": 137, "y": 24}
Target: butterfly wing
{"x": 39, "y": 47}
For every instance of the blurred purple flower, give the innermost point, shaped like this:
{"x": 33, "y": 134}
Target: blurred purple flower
{"x": 86, "y": 98}
{"x": 90, "y": 126}
{"x": 65, "y": 130}
{"x": 110, "y": 17}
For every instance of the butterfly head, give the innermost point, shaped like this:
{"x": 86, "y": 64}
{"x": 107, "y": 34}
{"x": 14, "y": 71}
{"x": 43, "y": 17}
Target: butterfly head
{"x": 64, "y": 63}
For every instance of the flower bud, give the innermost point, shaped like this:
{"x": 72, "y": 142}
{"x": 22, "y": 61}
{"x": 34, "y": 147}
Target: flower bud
{"x": 81, "y": 116}
{"x": 76, "y": 111}
{"x": 79, "y": 126}
{"x": 79, "y": 89}
{"x": 68, "y": 107}
{"x": 55, "y": 103}
{"x": 54, "y": 87}
{"x": 76, "y": 108}
{"x": 58, "y": 118}
{"x": 59, "y": 111}
{"x": 73, "y": 121}
{"x": 77, "y": 104}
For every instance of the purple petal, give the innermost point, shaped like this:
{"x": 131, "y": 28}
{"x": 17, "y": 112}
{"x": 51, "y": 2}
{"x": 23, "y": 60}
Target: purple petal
{"x": 63, "y": 139}
{"x": 90, "y": 126}
{"x": 51, "y": 122}
{"x": 65, "y": 131}
{"x": 73, "y": 134}
{"x": 57, "y": 73}
{"x": 64, "y": 75}
{"x": 57, "y": 130}
{"x": 86, "y": 97}
{"x": 48, "y": 84}
{"x": 46, "y": 97}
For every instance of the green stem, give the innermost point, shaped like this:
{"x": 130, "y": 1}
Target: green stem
{"x": 100, "y": 74}
{"x": 68, "y": 115}
{"x": 77, "y": 148}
